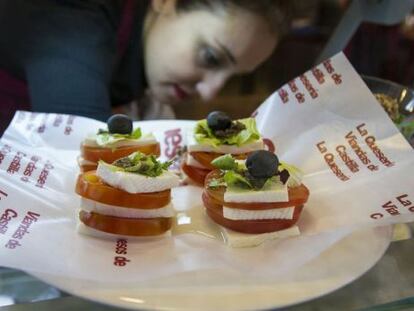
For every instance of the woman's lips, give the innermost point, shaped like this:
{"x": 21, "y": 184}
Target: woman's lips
{"x": 180, "y": 93}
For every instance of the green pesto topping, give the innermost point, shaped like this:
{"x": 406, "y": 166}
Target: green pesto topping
{"x": 140, "y": 163}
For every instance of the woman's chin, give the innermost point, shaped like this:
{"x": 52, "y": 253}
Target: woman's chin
{"x": 171, "y": 100}
{"x": 168, "y": 97}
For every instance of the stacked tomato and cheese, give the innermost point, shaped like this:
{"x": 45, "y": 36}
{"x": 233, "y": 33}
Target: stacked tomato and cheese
{"x": 130, "y": 197}
{"x": 118, "y": 141}
{"x": 215, "y": 136}
{"x": 258, "y": 195}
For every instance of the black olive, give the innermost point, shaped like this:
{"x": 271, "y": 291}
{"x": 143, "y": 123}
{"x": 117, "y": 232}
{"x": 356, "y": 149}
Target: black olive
{"x": 218, "y": 121}
{"x": 119, "y": 124}
{"x": 262, "y": 164}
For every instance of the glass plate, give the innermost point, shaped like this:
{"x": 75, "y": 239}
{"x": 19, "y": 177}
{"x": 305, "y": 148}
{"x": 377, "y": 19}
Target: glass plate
{"x": 339, "y": 265}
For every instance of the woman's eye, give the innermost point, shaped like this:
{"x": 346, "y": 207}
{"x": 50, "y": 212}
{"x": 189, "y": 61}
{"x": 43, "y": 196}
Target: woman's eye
{"x": 209, "y": 58}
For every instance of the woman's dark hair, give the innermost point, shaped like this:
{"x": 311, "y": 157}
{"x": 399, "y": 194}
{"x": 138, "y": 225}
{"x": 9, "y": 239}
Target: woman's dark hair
{"x": 277, "y": 13}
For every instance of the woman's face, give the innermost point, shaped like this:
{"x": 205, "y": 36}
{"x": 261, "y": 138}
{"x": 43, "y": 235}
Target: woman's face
{"x": 193, "y": 53}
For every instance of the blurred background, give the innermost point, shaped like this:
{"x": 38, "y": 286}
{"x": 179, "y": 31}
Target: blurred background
{"x": 377, "y": 36}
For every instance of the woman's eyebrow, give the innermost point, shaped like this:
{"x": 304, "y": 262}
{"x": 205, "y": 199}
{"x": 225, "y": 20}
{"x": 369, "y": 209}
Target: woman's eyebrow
{"x": 226, "y": 51}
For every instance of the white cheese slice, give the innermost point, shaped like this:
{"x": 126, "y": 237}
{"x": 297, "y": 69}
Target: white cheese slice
{"x": 242, "y": 214}
{"x": 82, "y": 161}
{"x": 277, "y": 193}
{"x": 136, "y": 183}
{"x": 238, "y": 239}
{"x": 90, "y": 141}
{"x": 194, "y": 146}
{"x": 119, "y": 211}
{"x": 193, "y": 162}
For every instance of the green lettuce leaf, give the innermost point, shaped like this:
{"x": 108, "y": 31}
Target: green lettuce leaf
{"x": 204, "y": 135}
{"x": 104, "y": 138}
{"x": 225, "y": 162}
{"x": 270, "y": 182}
{"x": 215, "y": 183}
{"x": 236, "y": 180}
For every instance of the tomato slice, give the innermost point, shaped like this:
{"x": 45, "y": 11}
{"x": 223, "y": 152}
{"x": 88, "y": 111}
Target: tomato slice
{"x": 88, "y": 167}
{"x": 90, "y": 186}
{"x": 205, "y": 158}
{"x": 195, "y": 173}
{"x": 109, "y": 155}
{"x": 126, "y": 226}
{"x": 215, "y": 212}
{"x": 297, "y": 196}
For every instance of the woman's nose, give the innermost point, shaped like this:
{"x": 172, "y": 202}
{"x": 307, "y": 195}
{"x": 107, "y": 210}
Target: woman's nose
{"x": 211, "y": 85}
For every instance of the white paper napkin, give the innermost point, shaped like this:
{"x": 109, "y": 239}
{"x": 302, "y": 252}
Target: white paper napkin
{"x": 358, "y": 167}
